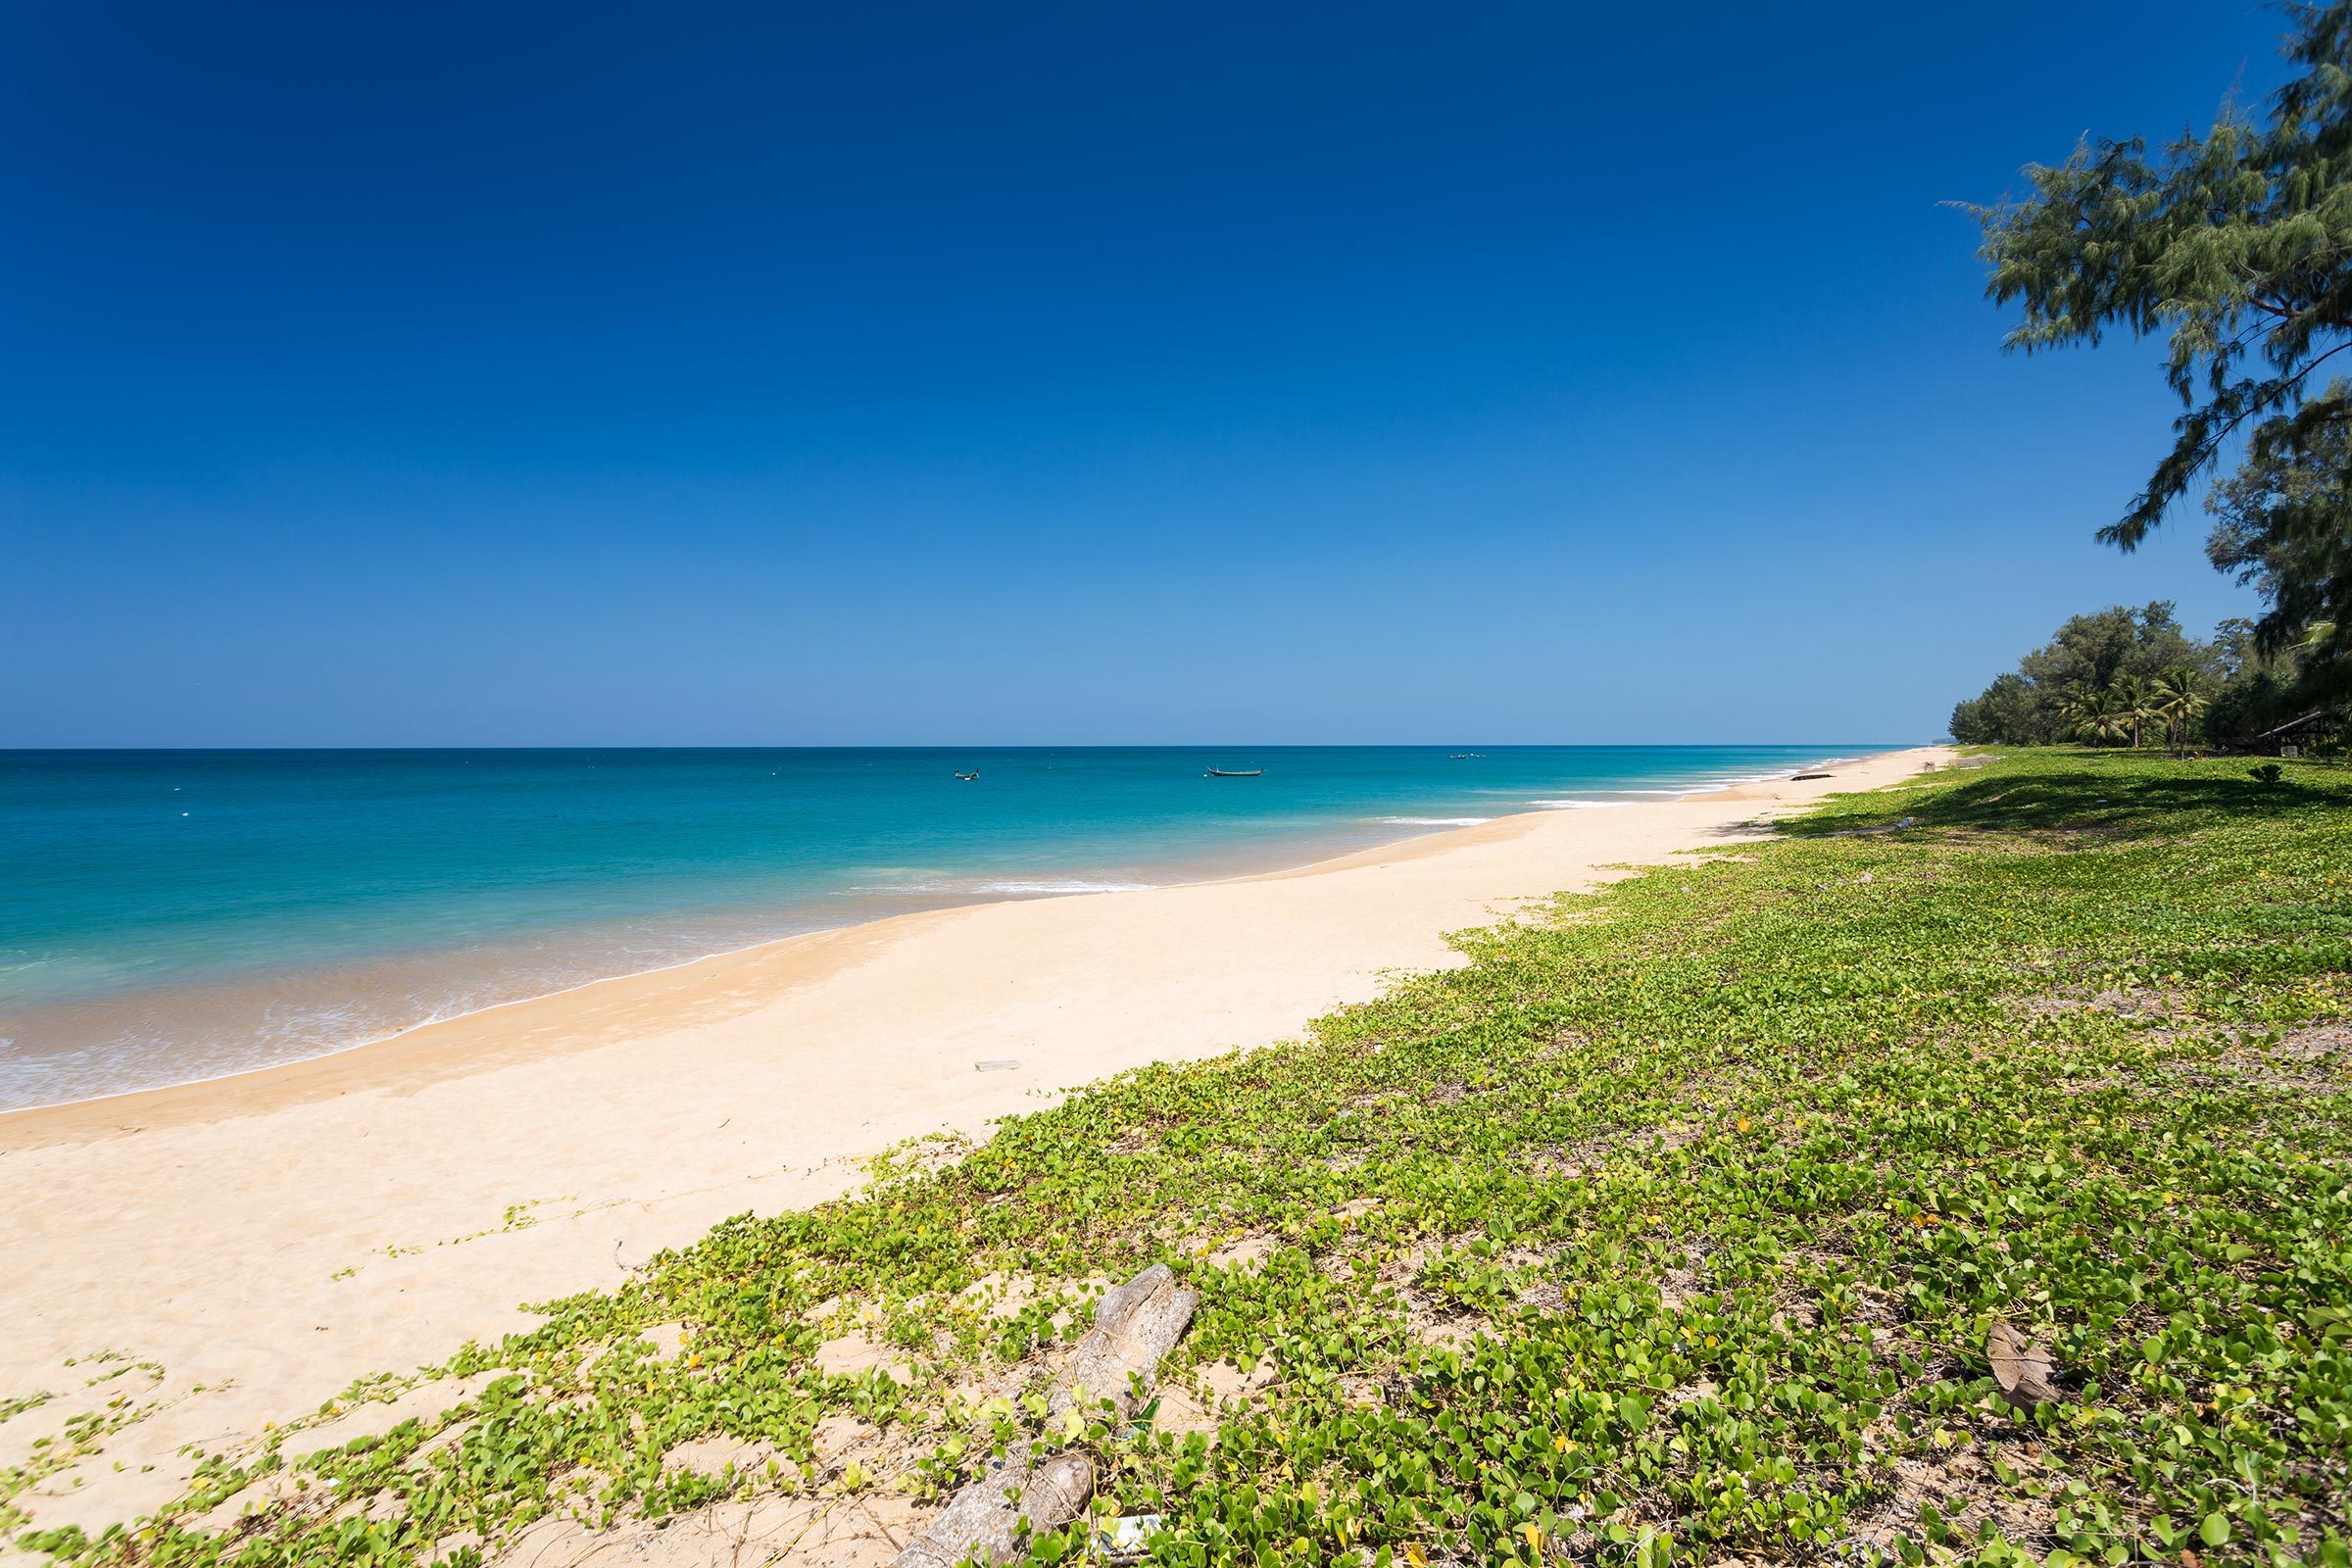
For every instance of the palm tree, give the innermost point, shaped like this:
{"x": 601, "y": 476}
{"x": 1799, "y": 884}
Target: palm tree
{"x": 2076, "y": 705}
{"x": 2132, "y": 703}
{"x": 2176, "y": 699}
{"x": 2096, "y": 714}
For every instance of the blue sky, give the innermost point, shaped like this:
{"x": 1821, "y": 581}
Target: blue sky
{"x": 792, "y": 374}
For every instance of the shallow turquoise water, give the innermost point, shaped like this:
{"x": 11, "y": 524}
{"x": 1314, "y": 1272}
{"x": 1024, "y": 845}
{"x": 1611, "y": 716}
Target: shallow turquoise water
{"x": 173, "y": 915}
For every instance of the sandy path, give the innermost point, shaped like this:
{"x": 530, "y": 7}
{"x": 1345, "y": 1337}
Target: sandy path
{"x": 274, "y": 1236}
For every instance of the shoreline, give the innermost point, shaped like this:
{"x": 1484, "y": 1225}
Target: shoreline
{"x": 266, "y": 1239}
{"x": 293, "y": 1069}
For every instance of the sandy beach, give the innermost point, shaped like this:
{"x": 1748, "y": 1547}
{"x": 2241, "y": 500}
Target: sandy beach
{"x": 269, "y": 1237}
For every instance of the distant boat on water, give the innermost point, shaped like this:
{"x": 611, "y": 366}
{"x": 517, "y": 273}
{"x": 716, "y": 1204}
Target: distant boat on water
{"x": 1464, "y": 757}
{"x": 967, "y": 777}
{"x": 1236, "y": 772}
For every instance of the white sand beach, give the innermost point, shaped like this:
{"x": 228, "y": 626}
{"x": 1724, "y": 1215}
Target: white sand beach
{"x": 269, "y": 1237}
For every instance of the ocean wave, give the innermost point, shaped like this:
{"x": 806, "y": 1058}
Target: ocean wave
{"x": 1573, "y": 804}
{"x": 938, "y": 887}
{"x": 1435, "y": 821}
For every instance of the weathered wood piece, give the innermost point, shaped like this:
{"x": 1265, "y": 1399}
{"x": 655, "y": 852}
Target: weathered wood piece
{"x": 2027, "y": 1375}
{"x": 984, "y": 1522}
{"x": 1135, "y": 1326}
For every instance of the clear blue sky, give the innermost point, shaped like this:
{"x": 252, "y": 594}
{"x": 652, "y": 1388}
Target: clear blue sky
{"x": 781, "y": 374}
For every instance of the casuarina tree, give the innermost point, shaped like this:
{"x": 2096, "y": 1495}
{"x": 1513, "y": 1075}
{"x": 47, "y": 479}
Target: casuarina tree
{"x": 2235, "y": 247}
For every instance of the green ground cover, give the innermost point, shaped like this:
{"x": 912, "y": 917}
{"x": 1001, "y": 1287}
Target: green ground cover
{"x": 1671, "y": 1227}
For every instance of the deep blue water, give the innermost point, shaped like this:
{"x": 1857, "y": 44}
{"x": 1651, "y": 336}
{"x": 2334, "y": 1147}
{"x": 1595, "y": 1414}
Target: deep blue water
{"x": 173, "y": 915}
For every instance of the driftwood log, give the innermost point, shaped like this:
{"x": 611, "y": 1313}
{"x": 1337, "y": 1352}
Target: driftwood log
{"x": 1135, "y": 1326}
{"x": 985, "y": 1520}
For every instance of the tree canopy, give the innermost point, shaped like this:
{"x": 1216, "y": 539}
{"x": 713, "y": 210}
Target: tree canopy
{"x": 2235, "y": 246}
{"x": 2119, "y": 674}
{"x": 2049, "y": 695}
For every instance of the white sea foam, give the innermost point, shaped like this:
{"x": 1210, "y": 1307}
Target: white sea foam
{"x": 937, "y": 888}
{"x": 1435, "y": 821}
{"x": 1573, "y": 804}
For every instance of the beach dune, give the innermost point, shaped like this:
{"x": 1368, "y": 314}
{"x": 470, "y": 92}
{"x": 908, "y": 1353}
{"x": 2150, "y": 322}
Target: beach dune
{"x": 272, "y": 1237}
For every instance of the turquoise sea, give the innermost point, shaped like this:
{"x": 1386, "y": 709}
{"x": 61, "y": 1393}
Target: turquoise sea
{"x": 167, "y": 917}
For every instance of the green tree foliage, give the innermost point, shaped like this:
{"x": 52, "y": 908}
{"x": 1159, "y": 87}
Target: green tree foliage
{"x": 2007, "y": 713}
{"x": 2099, "y": 649}
{"x": 2110, "y": 677}
{"x": 2280, "y": 527}
{"x": 2099, "y": 716}
{"x": 2258, "y": 691}
{"x": 2133, "y": 705}
{"x": 2177, "y": 698}
{"x": 2236, "y": 247}
{"x": 2094, "y": 679}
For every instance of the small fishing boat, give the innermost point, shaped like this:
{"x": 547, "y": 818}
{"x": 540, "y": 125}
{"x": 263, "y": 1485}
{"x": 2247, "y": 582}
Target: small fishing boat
{"x": 967, "y": 777}
{"x": 1236, "y": 772}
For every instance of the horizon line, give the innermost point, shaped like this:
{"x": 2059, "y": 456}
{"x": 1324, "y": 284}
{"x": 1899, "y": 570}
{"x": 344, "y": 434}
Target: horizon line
{"x": 950, "y": 746}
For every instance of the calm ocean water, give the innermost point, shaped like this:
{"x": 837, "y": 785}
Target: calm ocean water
{"x": 167, "y": 917}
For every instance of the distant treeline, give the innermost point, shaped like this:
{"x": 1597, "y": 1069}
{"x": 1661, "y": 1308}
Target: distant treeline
{"x": 2128, "y": 677}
